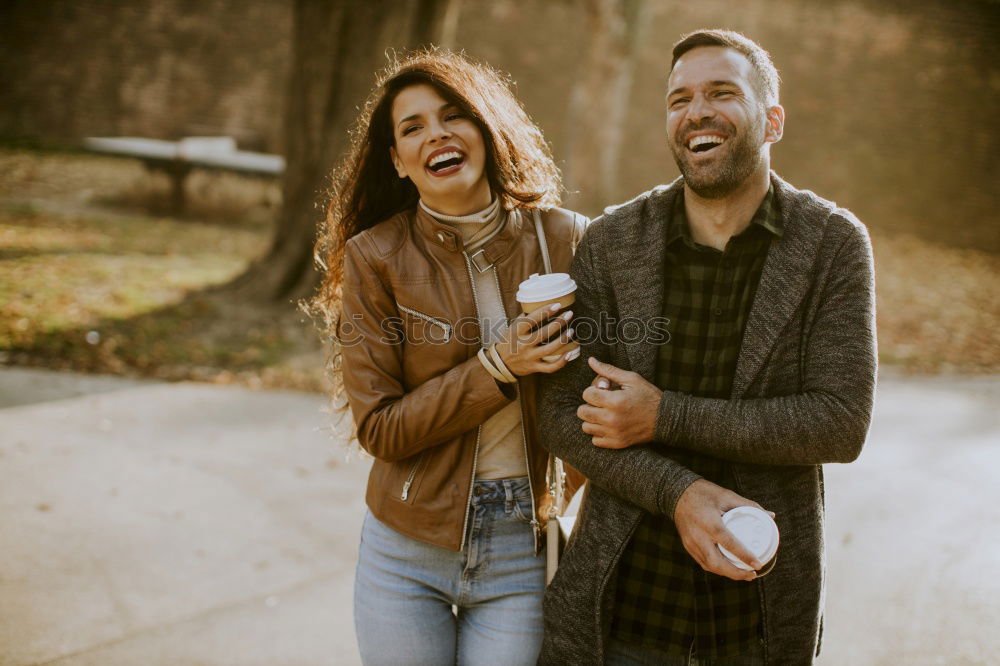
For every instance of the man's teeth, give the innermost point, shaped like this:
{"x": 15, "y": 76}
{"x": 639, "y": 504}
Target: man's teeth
{"x": 450, "y": 155}
{"x": 699, "y": 140}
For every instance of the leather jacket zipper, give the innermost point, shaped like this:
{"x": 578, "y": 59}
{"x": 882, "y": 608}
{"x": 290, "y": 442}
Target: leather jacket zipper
{"x": 443, "y": 325}
{"x": 479, "y": 429}
{"x": 472, "y": 483}
{"x": 409, "y": 479}
{"x": 536, "y": 526}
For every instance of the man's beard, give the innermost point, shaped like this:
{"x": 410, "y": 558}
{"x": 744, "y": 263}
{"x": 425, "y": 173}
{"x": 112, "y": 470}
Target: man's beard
{"x": 729, "y": 171}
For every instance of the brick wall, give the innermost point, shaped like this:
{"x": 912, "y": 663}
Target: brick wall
{"x": 891, "y": 104}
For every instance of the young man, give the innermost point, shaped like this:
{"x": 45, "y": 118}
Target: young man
{"x": 766, "y": 372}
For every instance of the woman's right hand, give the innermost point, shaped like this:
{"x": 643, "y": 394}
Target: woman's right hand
{"x": 523, "y": 345}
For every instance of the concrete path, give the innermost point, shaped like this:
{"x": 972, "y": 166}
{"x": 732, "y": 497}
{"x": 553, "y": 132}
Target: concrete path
{"x": 913, "y": 531}
{"x": 186, "y": 524}
{"x": 172, "y": 524}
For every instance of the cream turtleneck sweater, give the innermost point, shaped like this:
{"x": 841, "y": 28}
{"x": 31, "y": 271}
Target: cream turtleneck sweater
{"x": 501, "y": 444}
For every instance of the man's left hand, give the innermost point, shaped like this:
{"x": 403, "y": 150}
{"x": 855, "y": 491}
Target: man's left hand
{"x": 619, "y": 418}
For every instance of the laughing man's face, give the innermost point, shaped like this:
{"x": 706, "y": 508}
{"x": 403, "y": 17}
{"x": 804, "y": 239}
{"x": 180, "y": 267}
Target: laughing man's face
{"x": 717, "y": 124}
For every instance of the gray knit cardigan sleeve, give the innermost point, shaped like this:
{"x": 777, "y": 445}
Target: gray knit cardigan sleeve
{"x": 826, "y": 419}
{"x": 639, "y": 474}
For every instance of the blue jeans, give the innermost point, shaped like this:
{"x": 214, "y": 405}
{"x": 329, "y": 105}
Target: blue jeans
{"x": 404, "y": 589}
{"x": 619, "y": 653}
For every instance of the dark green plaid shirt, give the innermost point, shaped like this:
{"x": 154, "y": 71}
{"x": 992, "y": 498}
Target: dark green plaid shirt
{"x": 663, "y": 598}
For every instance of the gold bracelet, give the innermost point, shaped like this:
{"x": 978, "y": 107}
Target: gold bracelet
{"x": 490, "y": 368}
{"x": 501, "y": 366}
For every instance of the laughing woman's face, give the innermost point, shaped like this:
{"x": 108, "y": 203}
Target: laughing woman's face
{"x": 441, "y": 150}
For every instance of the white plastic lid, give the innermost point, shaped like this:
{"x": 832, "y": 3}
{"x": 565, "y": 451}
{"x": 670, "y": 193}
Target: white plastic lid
{"x": 755, "y": 529}
{"x": 538, "y": 288}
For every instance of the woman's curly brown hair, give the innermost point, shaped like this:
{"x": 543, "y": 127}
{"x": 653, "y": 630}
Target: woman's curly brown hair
{"x": 365, "y": 189}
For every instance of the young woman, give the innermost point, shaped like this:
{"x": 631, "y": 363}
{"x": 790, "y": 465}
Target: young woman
{"x": 430, "y": 231}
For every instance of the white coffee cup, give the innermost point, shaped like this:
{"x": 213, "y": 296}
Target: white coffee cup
{"x": 540, "y": 291}
{"x": 758, "y": 533}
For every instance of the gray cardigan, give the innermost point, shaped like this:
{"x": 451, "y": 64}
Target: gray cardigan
{"x": 802, "y": 396}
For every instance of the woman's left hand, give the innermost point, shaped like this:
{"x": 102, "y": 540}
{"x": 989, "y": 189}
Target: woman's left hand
{"x": 529, "y": 339}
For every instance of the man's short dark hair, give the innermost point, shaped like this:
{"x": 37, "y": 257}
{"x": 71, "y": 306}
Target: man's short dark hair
{"x": 765, "y": 76}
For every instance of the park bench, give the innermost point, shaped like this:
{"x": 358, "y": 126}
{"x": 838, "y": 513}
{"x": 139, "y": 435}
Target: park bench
{"x": 178, "y": 158}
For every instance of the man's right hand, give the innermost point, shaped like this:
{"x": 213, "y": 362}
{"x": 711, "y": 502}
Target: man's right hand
{"x": 698, "y": 517}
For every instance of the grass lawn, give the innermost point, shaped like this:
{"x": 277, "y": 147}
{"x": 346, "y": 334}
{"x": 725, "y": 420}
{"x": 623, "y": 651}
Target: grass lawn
{"x": 84, "y": 286}
{"x": 93, "y": 278}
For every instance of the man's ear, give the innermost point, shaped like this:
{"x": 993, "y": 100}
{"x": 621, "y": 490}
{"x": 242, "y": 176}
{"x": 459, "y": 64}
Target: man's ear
{"x": 775, "y": 124}
{"x": 398, "y": 163}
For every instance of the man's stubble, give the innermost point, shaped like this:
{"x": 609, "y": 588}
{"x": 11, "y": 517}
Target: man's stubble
{"x": 725, "y": 175}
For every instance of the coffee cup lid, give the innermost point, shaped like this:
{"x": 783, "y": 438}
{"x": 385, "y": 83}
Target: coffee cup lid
{"x": 538, "y": 288}
{"x": 755, "y": 529}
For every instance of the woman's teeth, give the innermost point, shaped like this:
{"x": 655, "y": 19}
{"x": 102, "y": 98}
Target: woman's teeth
{"x": 439, "y": 160}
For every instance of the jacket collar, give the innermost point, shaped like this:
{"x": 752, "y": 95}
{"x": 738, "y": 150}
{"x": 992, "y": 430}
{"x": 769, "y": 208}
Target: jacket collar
{"x": 637, "y": 268}
{"x": 786, "y": 277}
{"x": 446, "y": 237}
{"x": 783, "y": 284}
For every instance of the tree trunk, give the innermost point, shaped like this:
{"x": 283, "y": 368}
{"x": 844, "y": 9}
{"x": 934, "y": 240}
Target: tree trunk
{"x": 337, "y": 47}
{"x": 599, "y": 101}
{"x": 436, "y": 22}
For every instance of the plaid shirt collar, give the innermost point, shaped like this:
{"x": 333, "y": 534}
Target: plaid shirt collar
{"x": 767, "y": 216}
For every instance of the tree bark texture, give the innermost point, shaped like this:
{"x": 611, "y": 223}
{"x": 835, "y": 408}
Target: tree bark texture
{"x": 599, "y": 101}
{"x": 337, "y": 49}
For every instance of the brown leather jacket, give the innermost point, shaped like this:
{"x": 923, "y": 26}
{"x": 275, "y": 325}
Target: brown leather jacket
{"x": 410, "y": 335}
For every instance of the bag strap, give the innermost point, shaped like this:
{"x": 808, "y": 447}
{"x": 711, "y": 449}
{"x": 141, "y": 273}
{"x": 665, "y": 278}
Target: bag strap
{"x": 557, "y": 476}
{"x": 542, "y": 245}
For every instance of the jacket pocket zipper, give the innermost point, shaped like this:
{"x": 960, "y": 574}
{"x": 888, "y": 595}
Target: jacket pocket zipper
{"x": 443, "y": 325}
{"x": 409, "y": 479}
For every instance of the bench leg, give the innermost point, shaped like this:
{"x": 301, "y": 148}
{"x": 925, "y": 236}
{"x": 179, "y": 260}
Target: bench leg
{"x": 178, "y": 174}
